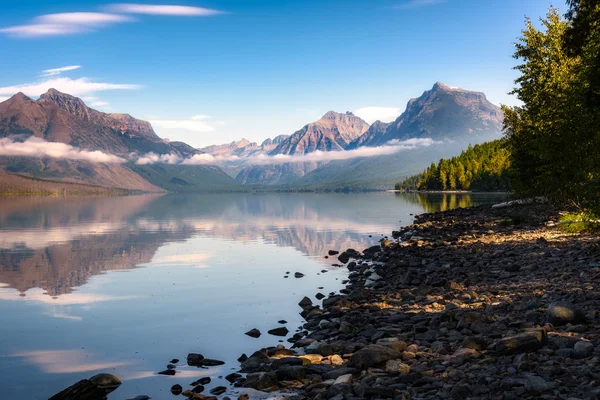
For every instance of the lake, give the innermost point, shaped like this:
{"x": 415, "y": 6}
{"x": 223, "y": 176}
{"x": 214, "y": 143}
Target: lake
{"x": 125, "y": 284}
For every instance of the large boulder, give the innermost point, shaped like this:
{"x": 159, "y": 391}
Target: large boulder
{"x": 522, "y": 343}
{"x": 373, "y": 355}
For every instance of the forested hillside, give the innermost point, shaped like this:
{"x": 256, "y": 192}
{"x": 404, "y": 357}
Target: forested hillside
{"x": 483, "y": 167}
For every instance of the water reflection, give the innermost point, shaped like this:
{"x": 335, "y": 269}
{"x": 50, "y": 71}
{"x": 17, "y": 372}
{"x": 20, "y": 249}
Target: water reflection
{"x": 57, "y": 244}
{"x": 434, "y": 202}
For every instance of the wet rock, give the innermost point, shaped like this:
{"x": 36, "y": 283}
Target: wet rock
{"x": 95, "y": 388}
{"x": 231, "y": 378}
{"x": 204, "y": 381}
{"x": 282, "y": 321}
{"x": 261, "y": 381}
{"x": 305, "y": 303}
{"x": 333, "y": 252}
{"x": 170, "y": 372}
{"x": 561, "y": 313}
{"x": 194, "y": 359}
{"x": 254, "y": 333}
{"x": 281, "y": 331}
{"x": 174, "y": 361}
{"x": 242, "y": 358}
{"x": 176, "y": 389}
{"x": 298, "y": 275}
{"x": 344, "y": 257}
{"x": 209, "y": 362}
{"x": 219, "y": 390}
{"x": 198, "y": 389}
{"x": 319, "y": 296}
{"x": 373, "y": 355}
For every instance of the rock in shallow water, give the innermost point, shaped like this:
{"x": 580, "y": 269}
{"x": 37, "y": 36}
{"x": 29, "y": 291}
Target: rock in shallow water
{"x": 254, "y": 333}
{"x": 281, "y": 331}
{"x": 176, "y": 390}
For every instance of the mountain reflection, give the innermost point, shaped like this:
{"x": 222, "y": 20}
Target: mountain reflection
{"x": 57, "y": 244}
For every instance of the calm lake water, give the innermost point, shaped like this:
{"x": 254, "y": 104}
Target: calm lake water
{"x": 125, "y": 284}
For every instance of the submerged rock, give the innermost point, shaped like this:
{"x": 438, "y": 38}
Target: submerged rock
{"x": 254, "y": 333}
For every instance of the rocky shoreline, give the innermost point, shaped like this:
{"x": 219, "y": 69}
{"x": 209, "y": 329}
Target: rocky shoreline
{"x": 476, "y": 303}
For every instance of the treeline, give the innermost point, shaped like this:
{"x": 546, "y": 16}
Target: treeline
{"x": 554, "y": 137}
{"x": 483, "y": 167}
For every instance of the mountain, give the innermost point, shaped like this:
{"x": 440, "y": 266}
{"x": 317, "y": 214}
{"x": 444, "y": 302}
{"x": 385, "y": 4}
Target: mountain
{"x": 333, "y": 132}
{"x": 444, "y": 112}
{"x": 60, "y": 117}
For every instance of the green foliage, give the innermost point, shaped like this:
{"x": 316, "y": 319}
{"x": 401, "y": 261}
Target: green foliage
{"x": 553, "y": 138}
{"x": 483, "y": 167}
{"x": 409, "y": 184}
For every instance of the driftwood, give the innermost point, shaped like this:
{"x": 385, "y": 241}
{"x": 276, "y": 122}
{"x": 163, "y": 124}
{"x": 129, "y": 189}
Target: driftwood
{"x": 95, "y": 388}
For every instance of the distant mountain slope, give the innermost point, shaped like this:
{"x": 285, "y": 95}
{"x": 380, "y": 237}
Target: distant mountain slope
{"x": 444, "y": 112}
{"x": 185, "y": 178}
{"x": 59, "y": 117}
{"x": 376, "y": 173}
{"x": 77, "y": 172}
{"x": 333, "y": 132}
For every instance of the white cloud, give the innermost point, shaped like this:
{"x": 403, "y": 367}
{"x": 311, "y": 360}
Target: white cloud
{"x": 418, "y": 3}
{"x": 75, "y": 87}
{"x": 36, "y": 147}
{"x": 392, "y": 147}
{"x": 65, "y": 24}
{"x": 372, "y": 114}
{"x": 194, "y": 124}
{"x": 34, "y": 30}
{"x": 3, "y": 98}
{"x": 99, "y": 103}
{"x": 58, "y": 71}
{"x": 82, "y": 18}
{"x": 162, "y": 10}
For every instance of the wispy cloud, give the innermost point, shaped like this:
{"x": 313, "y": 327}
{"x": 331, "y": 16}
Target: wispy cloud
{"x": 36, "y": 147}
{"x": 99, "y": 104}
{"x": 154, "y": 9}
{"x": 65, "y": 24}
{"x": 418, "y": 3}
{"x": 58, "y": 71}
{"x": 82, "y": 22}
{"x": 372, "y": 114}
{"x": 392, "y": 147}
{"x": 75, "y": 87}
{"x": 3, "y": 98}
{"x": 197, "y": 123}
{"x": 82, "y": 18}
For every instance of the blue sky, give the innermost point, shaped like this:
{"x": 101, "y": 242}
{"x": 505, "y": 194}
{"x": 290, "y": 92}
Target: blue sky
{"x": 218, "y": 70}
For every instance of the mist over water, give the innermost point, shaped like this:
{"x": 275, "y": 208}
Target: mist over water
{"x": 125, "y": 284}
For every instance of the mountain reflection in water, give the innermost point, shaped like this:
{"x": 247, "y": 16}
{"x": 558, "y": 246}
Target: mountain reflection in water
{"x": 58, "y": 243}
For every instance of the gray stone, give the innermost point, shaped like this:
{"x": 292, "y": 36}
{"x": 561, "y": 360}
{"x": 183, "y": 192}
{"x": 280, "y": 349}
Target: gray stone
{"x": 583, "y": 349}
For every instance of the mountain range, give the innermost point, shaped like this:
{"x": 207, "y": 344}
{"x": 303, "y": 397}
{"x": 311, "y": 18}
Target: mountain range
{"x": 444, "y": 114}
